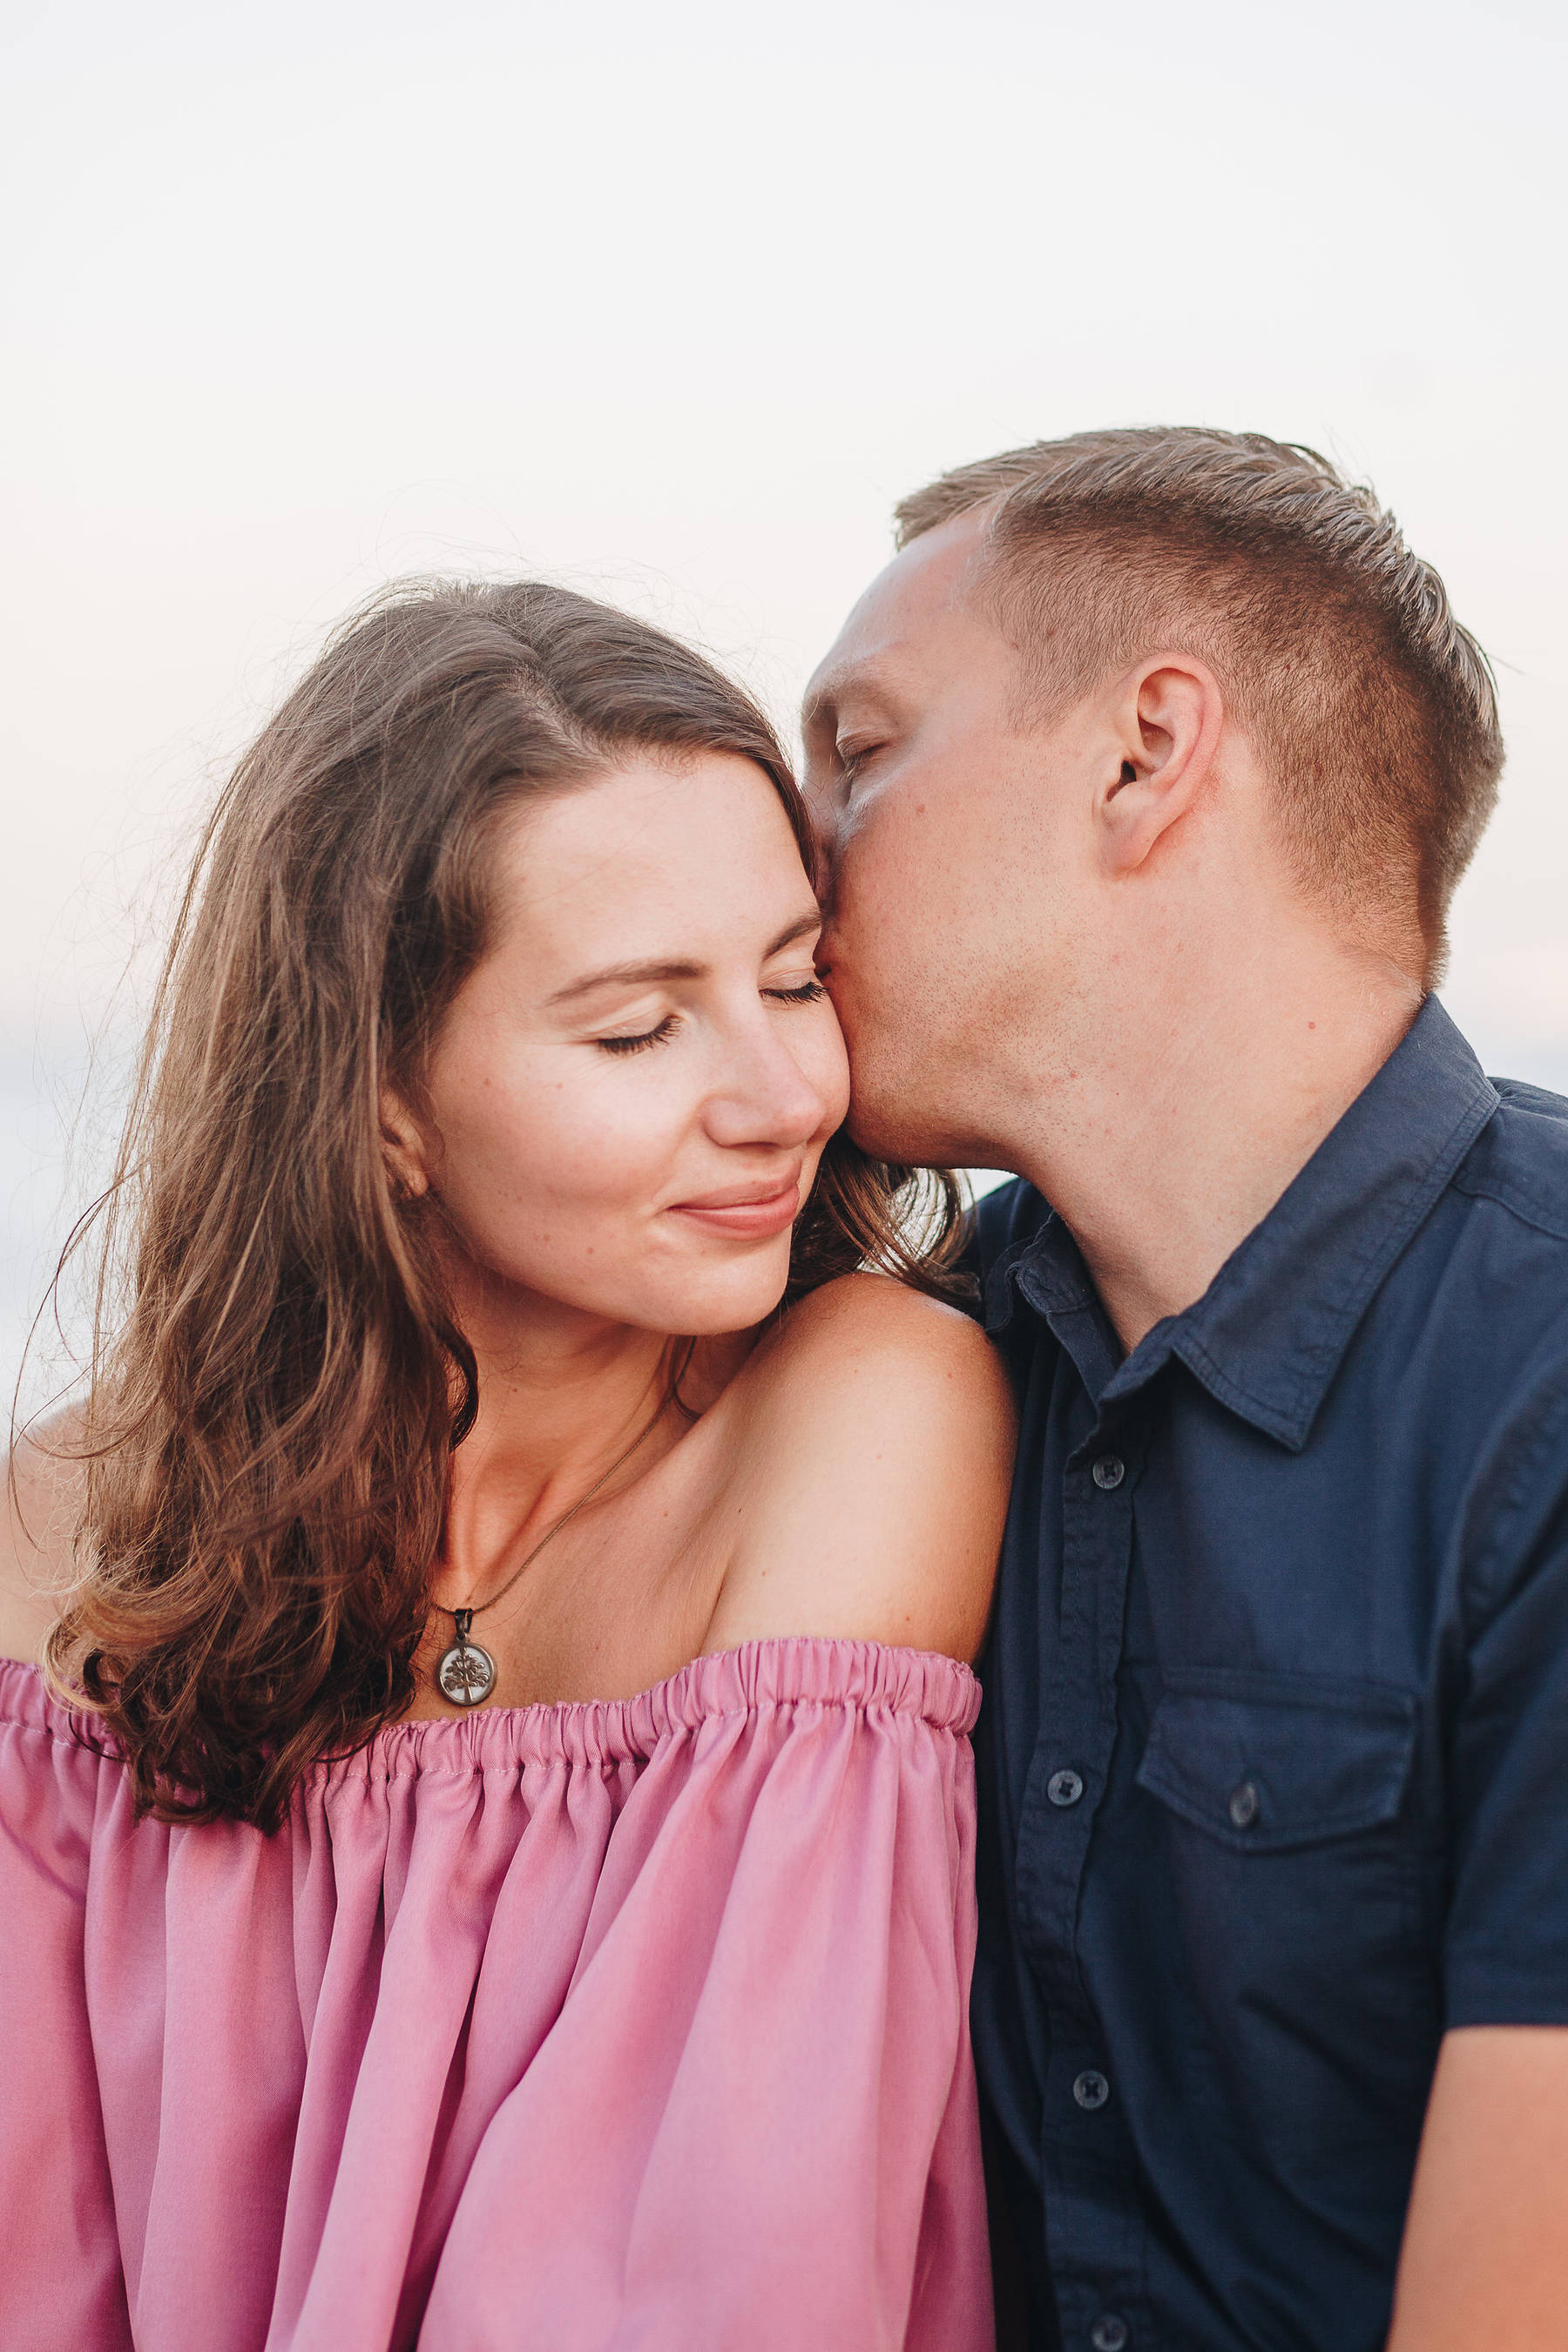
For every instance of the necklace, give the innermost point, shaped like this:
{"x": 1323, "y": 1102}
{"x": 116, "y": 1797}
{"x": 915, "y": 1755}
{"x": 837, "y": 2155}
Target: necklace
{"x": 465, "y": 1672}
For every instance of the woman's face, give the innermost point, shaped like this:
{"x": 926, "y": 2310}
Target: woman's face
{"x": 629, "y": 1099}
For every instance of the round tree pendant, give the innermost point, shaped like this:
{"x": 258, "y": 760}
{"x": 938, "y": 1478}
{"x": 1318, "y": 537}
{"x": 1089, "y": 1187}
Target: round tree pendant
{"x": 466, "y": 1672}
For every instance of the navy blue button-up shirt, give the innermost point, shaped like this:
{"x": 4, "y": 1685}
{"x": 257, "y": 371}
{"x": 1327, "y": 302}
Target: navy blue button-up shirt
{"x": 1274, "y": 1752}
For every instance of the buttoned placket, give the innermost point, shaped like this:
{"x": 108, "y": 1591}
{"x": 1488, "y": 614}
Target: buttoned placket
{"x": 1086, "y": 2145}
{"x": 1265, "y": 1345}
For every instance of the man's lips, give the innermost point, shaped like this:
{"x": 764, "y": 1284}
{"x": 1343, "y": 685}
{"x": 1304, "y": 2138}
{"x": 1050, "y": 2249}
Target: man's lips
{"x": 745, "y": 1212}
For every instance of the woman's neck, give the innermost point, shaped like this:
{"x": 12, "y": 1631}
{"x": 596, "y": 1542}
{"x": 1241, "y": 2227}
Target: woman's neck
{"x": 562, "y": 1394}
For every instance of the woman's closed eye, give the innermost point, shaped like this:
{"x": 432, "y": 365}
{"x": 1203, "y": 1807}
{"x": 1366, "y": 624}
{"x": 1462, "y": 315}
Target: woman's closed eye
{"x": 806, "y": 991}
{"x": 640, "y": 1040}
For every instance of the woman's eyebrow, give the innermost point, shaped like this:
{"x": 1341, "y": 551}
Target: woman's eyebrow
{"x": 801, "y": 929}
{"x": 633, "y": 975}
{"x": 626, "y": 975}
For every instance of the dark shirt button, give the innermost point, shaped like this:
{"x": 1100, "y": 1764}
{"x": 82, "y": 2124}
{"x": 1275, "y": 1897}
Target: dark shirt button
{"x": 1108, "y": 1471}
{"x": 1090, "y": 2089}
{"x": 1109, "y": 2333}
{"x": 1244, "y": 1804}
{"x": 1064, "y": 1787}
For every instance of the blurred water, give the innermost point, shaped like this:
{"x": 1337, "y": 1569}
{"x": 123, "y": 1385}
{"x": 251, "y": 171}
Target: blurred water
{"x": 61, "y": 1097}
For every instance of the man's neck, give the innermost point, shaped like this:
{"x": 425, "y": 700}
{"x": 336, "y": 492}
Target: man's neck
{"x": 1162, "y": 1155}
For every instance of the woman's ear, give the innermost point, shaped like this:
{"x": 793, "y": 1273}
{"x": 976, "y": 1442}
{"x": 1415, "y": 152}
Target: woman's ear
{"x": 403, "y": 1147}
{"x": 1167, "y": 720}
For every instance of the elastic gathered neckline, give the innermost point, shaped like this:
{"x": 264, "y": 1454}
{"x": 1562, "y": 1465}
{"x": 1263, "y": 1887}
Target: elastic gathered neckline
{"x": 799, "y": 1670}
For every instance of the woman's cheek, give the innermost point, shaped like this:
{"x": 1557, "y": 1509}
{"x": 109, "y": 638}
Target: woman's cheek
{"x": 605, "y": 1152}
{"x": 832, "y": 1073}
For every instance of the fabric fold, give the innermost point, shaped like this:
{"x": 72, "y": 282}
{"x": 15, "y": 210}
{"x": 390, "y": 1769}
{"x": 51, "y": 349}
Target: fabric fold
{"x": 567, "y": 2028}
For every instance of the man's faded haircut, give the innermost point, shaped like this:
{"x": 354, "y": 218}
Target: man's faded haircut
{"x": 1372, "y": 710}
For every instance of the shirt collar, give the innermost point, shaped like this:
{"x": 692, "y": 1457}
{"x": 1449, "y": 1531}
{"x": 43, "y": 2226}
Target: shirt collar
{"x": 1269, "y": 1334}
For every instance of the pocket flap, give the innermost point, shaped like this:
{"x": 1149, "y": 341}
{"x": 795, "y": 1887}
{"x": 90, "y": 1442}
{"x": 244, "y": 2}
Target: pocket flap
{"x": 1265, "y": 1761}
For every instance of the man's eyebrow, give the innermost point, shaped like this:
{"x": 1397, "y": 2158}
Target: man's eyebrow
{"x": 818, "y": 706}
{"x": 635, "y": 975}
{"x": 863, "y": 672}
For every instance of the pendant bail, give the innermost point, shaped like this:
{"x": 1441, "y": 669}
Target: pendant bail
{"x": 461, "y": 1620}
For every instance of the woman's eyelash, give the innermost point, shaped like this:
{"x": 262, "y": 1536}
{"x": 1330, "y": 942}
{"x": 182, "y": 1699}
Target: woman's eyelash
{"x": 640, "y": 1045}
{"x": 806, "y": 993}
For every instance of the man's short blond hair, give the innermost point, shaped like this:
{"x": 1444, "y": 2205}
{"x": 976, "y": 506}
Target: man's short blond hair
{"x": 1370, "y": 706}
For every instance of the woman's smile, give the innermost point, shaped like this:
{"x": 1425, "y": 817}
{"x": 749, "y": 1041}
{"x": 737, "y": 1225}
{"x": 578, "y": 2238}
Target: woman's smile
{"x": 746, "y": 1212}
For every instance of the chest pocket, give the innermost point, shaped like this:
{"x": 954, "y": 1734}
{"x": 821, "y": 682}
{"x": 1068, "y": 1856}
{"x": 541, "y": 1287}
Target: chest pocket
{"x": 1284, "y": 1840}
{"x": 1265, "y": 1763}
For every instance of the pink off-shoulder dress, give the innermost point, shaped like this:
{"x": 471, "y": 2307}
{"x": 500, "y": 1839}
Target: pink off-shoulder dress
{"x": 633, "y": 2026}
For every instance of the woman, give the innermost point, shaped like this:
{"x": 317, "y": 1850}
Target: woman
{"x": 505, "y": 1878}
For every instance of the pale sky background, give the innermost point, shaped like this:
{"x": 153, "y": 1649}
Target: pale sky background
{"x": 672, "y": 303}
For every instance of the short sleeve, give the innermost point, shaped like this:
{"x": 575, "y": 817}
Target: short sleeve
{"x": 1506, "y": 1943}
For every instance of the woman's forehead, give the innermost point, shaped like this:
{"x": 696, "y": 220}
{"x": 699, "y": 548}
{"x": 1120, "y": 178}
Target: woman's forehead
{"x": 653, "y": 859}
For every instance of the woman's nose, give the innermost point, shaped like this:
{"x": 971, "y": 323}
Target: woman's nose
{"x": 765, "y": 1096}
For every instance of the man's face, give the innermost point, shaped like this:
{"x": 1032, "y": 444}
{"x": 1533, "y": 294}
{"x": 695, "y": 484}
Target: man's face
{"x": 952, "y": 860}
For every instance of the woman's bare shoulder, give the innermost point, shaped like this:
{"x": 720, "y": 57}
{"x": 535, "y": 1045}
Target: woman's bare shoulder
{"x": 38, "y": 1513}
{"x": 874, "y": 1434}
{"x": 869, "y": 1327}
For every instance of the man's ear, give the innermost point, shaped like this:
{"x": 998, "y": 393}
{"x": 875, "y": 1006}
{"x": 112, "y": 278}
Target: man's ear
{"x": 1166, "y": 720}
{"x": 403, "y": 1147}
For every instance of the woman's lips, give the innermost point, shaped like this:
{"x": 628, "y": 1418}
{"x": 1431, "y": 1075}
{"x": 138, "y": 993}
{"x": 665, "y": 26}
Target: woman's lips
{"x": 745, "y": 1220}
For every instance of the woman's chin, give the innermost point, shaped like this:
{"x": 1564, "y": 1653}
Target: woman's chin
{"x": 718, "y": 1299}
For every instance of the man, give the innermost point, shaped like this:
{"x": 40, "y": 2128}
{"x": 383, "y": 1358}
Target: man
{"x": 1151, "y": 764}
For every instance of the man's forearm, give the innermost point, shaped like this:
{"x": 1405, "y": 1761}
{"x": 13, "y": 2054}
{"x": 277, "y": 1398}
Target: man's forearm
{"x": 1485, "y": 2261}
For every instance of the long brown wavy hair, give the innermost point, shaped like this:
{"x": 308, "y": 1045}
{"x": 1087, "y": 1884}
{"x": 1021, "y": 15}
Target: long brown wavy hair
{"x": 272, "y": 1414}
